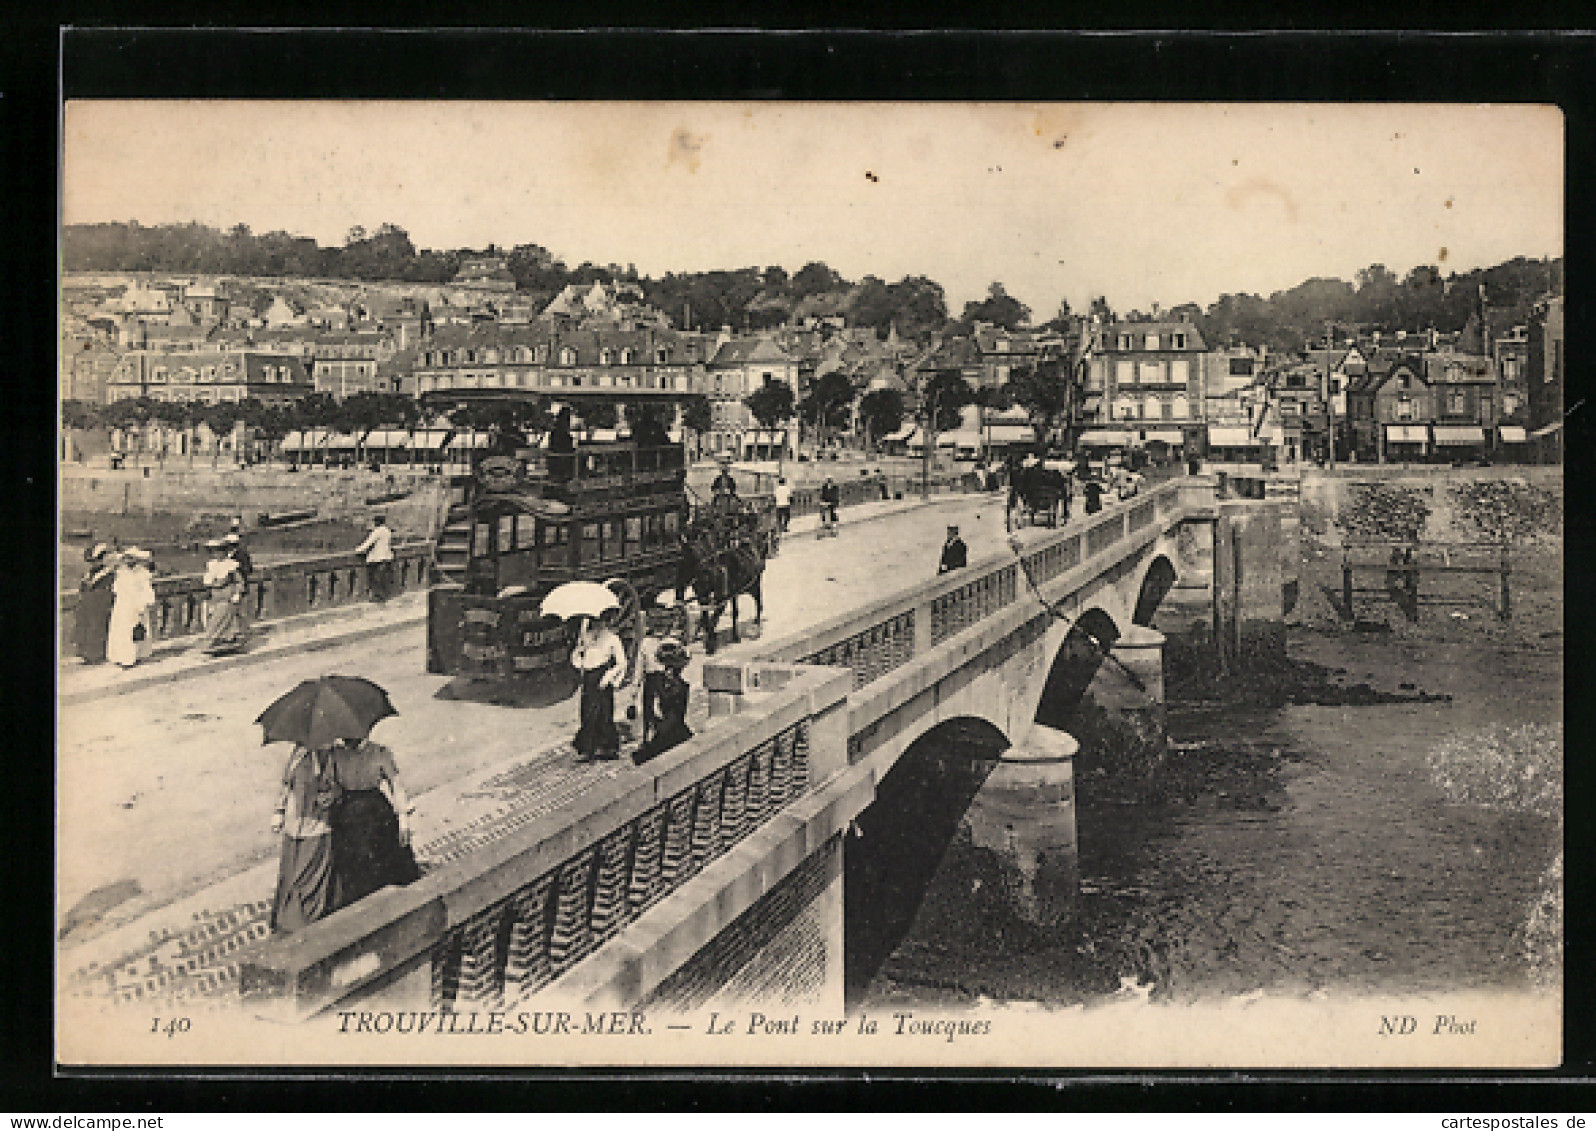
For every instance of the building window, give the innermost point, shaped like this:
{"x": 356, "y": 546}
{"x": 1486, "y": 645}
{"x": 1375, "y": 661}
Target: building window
{"x": 605, "y": 358}
{"x": 1124, "y": 342}
{"x": 567, "y": 356}
{"x": 1509, "y": 403}
{"x": 661, "y": 356}
{"x": 1456, "y": 403}
{"x": 1152, "y": 373}
{"x": 1149, "y": 408}
{"x": 1180, "y": 408}
{"x": 1124, "y": 373}
{"x": 1404, "y": 409}
{"x": 1177, "y": 341}
{"x": 1150, "y": 341}
{"x": 628, "y": 356}
{"x": 1404, "y": 382}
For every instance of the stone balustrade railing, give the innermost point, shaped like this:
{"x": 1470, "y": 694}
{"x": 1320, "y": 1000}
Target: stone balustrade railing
{"x": 278, "y": 589}
{"x": 508, "y": 920}
{"x": 884, "y": 636}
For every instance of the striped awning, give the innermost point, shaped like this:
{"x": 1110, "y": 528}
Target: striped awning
{"x": 342, "y": 443}
{"x": 387, "y": 438}
{"x": 1548, "y": 430}
{"x": 1512, "y": 433}
{"x": 1407, "y": 433}
{"x": 312, "y": 440}
{"x": 465, "y": 440}
{"x": 1457, "y": 436}
{"x": 430, "y": 440}
{"x": 1104, "y": 440}
{"x": 1165, "y": 436}
{"x": 1233, "y": 436}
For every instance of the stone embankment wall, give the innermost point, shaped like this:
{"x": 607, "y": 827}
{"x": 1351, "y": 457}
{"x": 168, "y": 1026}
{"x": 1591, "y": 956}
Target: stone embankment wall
{"x": 1325, "y": 495}
{"x": 246, "y": 493}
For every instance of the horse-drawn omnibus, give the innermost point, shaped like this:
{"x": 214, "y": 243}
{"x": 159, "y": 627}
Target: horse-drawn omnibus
{"x": 525, "y": 521}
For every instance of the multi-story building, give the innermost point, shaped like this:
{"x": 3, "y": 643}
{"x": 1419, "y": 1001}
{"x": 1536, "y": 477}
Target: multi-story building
{"x": 738, "y": 367}
{"x": 1546, "y": 379}
{"x": 493, "y": 356}
{"x": 1510, "y": 353}
{"x": 1390, "y": 408}
{"x": 347, "y": 363}
{"x": 1465, "y": 401}
{"x": 86, "y": 368}
{"x": 210, "y": 376}
{"x": 1145, "y": 382}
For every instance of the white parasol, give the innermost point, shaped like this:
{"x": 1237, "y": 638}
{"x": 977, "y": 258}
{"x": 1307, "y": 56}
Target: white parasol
{"x": 579, "y": 599}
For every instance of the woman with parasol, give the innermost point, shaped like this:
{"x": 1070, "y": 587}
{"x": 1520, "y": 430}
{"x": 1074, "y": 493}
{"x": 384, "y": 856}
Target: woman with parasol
{"x": 599, "y": 657}
{"x": 343, "y": 813}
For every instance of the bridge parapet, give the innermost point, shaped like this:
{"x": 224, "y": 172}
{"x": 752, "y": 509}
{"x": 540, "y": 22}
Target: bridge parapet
{"x": 880, "y": 638}
{"x": 279, "y": 589}
{"x": 504, "y": 923}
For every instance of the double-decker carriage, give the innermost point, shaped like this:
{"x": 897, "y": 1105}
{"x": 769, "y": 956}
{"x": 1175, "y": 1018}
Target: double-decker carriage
{"x": 520, "y": 525}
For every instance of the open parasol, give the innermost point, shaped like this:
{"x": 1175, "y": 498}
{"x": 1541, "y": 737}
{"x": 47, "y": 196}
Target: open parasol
{"x": 319, "y": 712}
{"x": 579, "y": 599}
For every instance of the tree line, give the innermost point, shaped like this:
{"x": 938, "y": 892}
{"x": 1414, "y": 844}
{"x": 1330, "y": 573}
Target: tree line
{"x": 755, "y": 298}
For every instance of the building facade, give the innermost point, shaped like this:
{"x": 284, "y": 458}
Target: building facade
{"x": 210, "y": 377}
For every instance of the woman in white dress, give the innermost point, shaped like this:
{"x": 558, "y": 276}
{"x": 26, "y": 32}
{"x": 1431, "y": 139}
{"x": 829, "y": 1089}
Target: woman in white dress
{"x": 600, "y": 657}
{"x": 134, "y": 595}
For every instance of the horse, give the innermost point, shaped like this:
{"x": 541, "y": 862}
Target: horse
{"x": 719, "y": 577}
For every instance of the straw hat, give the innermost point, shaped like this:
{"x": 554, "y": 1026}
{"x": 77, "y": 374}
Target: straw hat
{"x": 134, "y": 553}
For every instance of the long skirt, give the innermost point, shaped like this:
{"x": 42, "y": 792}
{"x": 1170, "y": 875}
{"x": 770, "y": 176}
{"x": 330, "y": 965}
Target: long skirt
{"x": 366, "y": 852}
{"x": 121, "y": 647}
{"x": 224, "y": 628}
{"x": 304, "y": 883}
{"x": 93, "y": 624}
{"x": 597, "y": 737}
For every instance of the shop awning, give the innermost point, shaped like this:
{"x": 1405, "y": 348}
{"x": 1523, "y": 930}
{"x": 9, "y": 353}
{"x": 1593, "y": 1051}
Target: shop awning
{"x": 768, "y": 437}
{"x": 430, "y": 440}
{"x": 1091, "y": 404}
{"x": 342, "y": 443}
{"x": 1093, "y": 439}
{"x": 1548, "y": 430}
{"x": 1512, "y": 433}
{"x": 1165, "y": 436}
{"x": 901, "y": 434}
{"x": 387, "y": 438}
{"x": 1407, "y": 433}
{"x": 1011, "y": 433}
{"x": 944, "y": 439}
{"x": 1456, "y": 436}
{"x": 310, "y": 441}
{"x": 470, "y": 440}
{"x": 1235, "y": 436}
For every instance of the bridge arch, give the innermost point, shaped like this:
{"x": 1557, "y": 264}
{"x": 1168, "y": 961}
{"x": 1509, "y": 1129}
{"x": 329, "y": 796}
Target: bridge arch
{"x": 897, "y": 842}
{"x": 1156, "y": 582}
{"x": 1075, "y": 665}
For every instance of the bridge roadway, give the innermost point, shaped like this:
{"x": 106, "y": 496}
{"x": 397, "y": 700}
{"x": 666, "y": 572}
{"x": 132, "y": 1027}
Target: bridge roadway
{"x": 166, "y": 792}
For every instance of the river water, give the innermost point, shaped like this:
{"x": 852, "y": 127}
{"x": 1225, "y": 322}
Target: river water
{"x": 1292, "y": 842}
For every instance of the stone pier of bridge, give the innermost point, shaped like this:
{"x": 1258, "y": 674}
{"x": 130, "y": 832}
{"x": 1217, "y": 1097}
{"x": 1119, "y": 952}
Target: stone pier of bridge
{"x": 720, "y": 872}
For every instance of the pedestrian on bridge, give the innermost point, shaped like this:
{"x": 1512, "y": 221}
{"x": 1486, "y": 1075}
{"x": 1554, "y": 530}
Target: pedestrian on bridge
{"x": 92, "y": 624}
{"x": 370, "y": 822}
{"x": 305, "y": 867}
{"x": 378, "y": 548}
{"x": 224, "y": 629}
{"x": 129, "y": 635}
{"x": 955, "y": 554}
{"x": 671, "y": 694}
{"x": 601, "y": 659}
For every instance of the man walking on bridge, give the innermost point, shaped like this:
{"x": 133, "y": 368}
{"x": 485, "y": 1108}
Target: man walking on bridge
{"x": 378, "y": 548}
{"x": 954, "y": 552}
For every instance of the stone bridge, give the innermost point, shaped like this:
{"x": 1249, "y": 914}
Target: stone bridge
{"x": 717, "y": 873}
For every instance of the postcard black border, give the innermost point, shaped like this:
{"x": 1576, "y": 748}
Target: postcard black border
{"x": 101, "y": 61}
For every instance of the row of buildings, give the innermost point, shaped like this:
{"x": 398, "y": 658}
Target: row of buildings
{"x": 1371, "y": 397}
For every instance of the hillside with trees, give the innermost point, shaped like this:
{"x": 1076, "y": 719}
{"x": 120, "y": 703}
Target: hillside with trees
{"x": 754, "y": 298}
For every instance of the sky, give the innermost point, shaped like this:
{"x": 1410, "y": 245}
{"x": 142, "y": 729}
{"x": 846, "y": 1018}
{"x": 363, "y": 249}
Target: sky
{"x": 1143, "y": 203}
